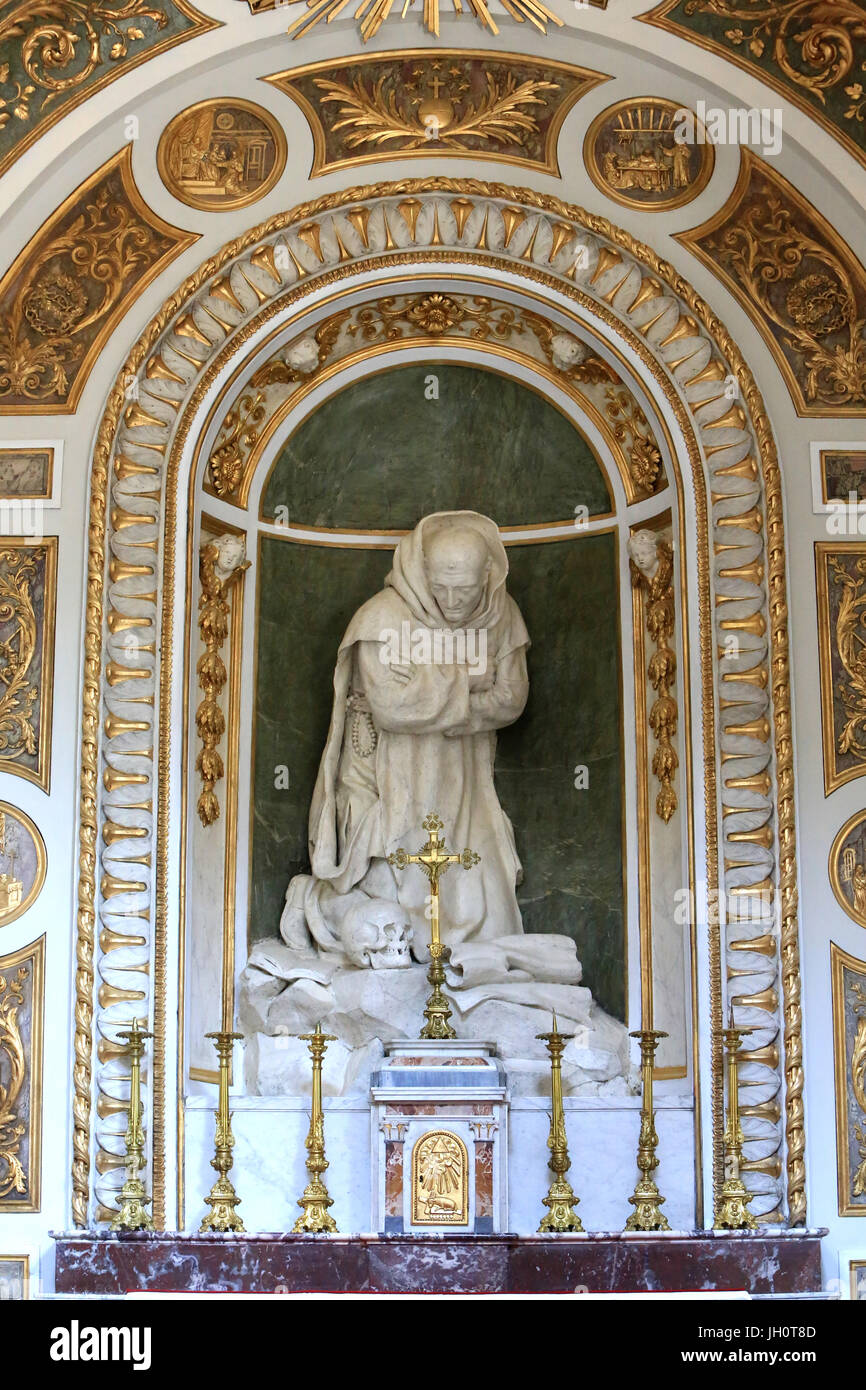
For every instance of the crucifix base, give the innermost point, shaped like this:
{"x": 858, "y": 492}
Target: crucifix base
{"x": 438, "y": 1010}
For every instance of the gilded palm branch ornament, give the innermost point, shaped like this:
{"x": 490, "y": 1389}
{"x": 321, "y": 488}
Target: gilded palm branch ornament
{"x": 652, "y": 571}
{"x": 27, "y": 600}
{"x": 57, "y": 52}
{"x": 798, "y": 281}
{"x": 21, "y": 977}
{"x": 71, "y": 285}
{"x": 849, "y": 1051}
{"x": 813, "y": 53}
{"x": 841, "y": 586}
{"x": 449, "y": 102}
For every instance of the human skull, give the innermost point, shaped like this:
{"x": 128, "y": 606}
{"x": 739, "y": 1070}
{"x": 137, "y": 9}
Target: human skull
{"x": 378, "y": 934}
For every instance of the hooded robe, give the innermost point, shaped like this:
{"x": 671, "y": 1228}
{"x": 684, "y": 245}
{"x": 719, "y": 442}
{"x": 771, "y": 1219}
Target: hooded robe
{"x": 397, "y": 750}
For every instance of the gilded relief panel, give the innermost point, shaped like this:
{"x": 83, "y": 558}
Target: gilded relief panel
{"x": 26, "y": 473}
{"x": 439, "y": 102}
{"x": 71, "y": 285}
{"x": 22, "y": 863}
{"x": 849, "y": 1034}
{"x": 814, "y": 54}
{"x": 21, "y": 1003}
{"x": 843, "y": 475}
{"x": 54, "y": 55}
{"x": 28, "y": 582}
{"x": 840, "y": 569}
{"x": 798, "y": 281}
{"x": 634, "y": 155}
{"x": 221, "y": 154}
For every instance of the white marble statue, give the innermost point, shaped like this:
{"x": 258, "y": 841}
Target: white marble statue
{"x": 427, "y": 672}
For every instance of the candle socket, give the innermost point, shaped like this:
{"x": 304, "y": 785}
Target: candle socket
{"x": 560, "y": 1200}
{"x": 134, "y": 1201}
{"x": 646, "y": 1198}
{"x": 223, "y": 1199}
{"x": 316, "y": 1219}
{"x": 732, "y": 1211}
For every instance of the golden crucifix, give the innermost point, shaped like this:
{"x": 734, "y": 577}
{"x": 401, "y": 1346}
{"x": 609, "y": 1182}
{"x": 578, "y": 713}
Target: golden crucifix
{"x": 434, "y": 859}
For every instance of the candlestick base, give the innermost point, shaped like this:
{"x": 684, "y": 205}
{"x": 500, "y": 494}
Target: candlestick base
{"x": 561, "y": 1202}
{"x": 133, "y": 1214}
{"x": 647, "y": 1215}
{"x": 438, "y": 1009}
{"x": 316, "y": 1220}
{"x": 733, "y": 1213}
{"x": 222, "y": 1201}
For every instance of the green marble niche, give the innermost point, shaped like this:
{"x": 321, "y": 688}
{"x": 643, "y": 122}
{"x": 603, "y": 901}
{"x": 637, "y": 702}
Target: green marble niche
{"x": 379, "y": 455}
{"x": 569, "y": 840}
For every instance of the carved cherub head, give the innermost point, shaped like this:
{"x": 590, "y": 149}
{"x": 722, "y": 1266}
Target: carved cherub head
{"x": 643, "y": 549}
{"x": 231, "y": 553}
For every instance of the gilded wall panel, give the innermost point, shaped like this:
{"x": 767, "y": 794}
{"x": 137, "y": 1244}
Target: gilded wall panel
{"x": 437, "y": 102}
{"x": 21, "y": 1006}
{"x": 28, "y": 585}
{"x": 71, "y": 285}
{"x": 840, "y": 572}
{"x": 849, "y": 1037}
{"x": 798, "y": 281}
{"x": 54, "y": 55}
{"x": 814, "y": 54}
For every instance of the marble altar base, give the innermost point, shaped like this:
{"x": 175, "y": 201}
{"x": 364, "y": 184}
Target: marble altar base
{"x": 269, "y": 1172}
{"x": 773, "y": 1262}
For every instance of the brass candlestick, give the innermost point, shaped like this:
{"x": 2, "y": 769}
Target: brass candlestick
{"x": 315, "y": 1201}
{"x": 134, "y": 1201}
{"x": 560, "y": 1199}
{"x": 732, "y": 1213}
{"x": 434, "y": 860}
{"x": 646, "y": 1199}
{"x": 223, "y": 1199}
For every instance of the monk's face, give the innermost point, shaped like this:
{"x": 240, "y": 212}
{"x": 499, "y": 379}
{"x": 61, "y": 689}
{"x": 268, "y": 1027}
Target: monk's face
{"x": 458, "y": 575}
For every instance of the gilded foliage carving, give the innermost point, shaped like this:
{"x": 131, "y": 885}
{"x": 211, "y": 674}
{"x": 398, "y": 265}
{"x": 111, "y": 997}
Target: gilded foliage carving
{"x": 652, "y": 570}
{"x": 55, "y": 52}
{"x": 68, "y": 288}
{"x": 433, "y": 315}
{"x": 221, "y": 565}
{"x": 27, "y": 599}
{"x": 20, "y": 1077}
{"x": 800, "y": 283}
{"x": 849, "y": 1049}
{"x": 814, "y": 53}
{"x": 841, "y": 584}
{"x": 440, "y": 103}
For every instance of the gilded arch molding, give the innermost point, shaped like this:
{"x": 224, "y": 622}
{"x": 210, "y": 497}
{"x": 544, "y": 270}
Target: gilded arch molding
{"x": 691, "y": 361}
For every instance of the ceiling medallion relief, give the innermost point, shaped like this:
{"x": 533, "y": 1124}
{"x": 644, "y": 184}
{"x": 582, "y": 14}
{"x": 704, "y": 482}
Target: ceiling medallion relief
{"x": 54, "y": 55}
{"x": 221, "y": 154}
{"x": 798, "y": 281}
{"x": 436, "y": 103}
{"x": 72, "y": 284}
{"x": 686, "y": 353}
{"x": 421, "y": 320}
{"x": 634, "y": 155}
{"x": 814, "y": 54}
